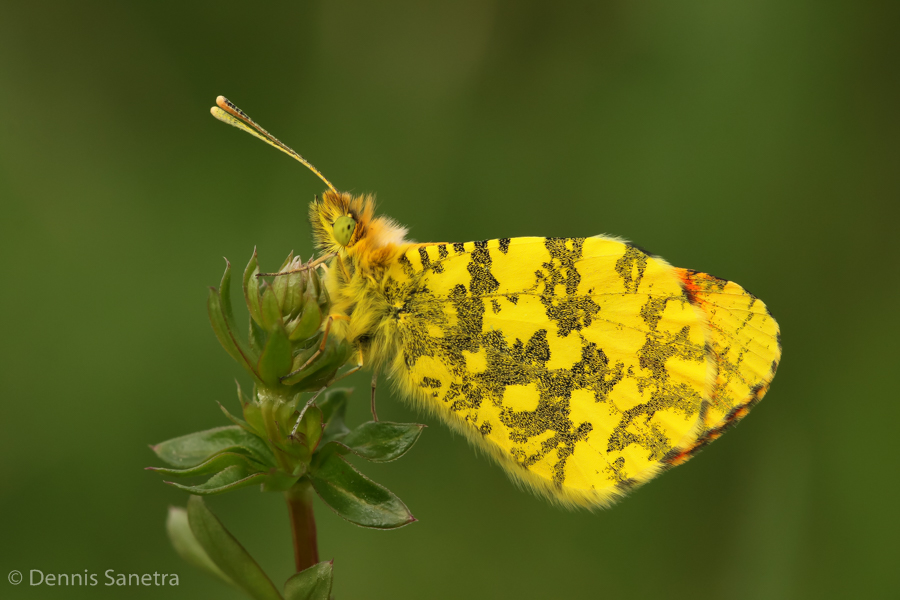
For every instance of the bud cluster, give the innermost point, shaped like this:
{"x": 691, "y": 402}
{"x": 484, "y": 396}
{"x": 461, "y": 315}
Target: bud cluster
{"x": 281, "y": 441}
{"x": 284, "y": 348}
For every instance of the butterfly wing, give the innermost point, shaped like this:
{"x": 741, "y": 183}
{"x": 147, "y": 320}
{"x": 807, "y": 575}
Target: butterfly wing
{"x": 745, "y": 345}
{"x": 580, "y": 364}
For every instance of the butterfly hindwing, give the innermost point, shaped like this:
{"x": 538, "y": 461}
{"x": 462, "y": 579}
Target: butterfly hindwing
{"x": 579, "y": 363}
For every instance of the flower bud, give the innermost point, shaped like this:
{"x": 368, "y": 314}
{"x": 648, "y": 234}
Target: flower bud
{"x": 287, "y": 354}
{"x": 285, "y": 351}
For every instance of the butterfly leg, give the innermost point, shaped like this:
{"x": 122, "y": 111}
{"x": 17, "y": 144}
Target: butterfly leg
{"x": 359, "y": 366}
{"x": 331, "y": 319}
{"x": 374, "y": 381}
{"x": 327, "y": 330}
{"x": 311, "y": 264}
{"x": 325, "y": 387}
{"x": 303, "y": 412}
{"x": 348, "y": 372}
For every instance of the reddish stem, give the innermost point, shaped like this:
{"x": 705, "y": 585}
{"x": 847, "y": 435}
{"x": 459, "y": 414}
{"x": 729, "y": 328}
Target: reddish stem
{"x": 303, "y": 525}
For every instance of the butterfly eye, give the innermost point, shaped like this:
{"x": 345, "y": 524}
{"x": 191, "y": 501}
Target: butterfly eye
{"x": 343, "y": 230}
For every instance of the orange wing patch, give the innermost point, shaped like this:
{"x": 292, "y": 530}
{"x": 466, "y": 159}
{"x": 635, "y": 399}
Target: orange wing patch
{"x": 745, "y": 343}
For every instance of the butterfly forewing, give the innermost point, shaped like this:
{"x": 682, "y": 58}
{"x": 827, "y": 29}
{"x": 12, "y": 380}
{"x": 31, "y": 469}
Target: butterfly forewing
{"x": 745, "y": 346}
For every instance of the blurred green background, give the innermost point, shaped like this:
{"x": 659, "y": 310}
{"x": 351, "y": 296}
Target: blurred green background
{"x": 755, "y": 140}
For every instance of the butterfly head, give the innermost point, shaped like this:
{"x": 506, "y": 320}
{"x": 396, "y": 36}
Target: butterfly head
{"x": 347, "y": 225}
{"x": 339, "y": 220}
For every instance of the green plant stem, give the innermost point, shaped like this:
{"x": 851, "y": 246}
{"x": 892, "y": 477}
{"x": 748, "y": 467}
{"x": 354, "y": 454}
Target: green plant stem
{"x": 303, "y": 524}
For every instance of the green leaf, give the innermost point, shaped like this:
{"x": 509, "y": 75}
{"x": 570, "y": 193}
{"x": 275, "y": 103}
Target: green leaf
{"x": 228, "y": 313}
{"x": 323, "y": 368}
{"x": 257, "y": 337}
{"x": 279, "y": 481}
{"x": 225, "y": 297}
{"x": 228, "y": 479}
{"x": 251, "y": 289}
{"x": 310, "y": 428}
{"x": 323, "y": 299}
{"x": 194, "y": 448}
{"x": 333, "y": 403}
{"x": 382, "y": 441}
{"x": 271, "y": 314}
{"x": 223, "y": 333}
{"x": 334, "y": 410}
{"x": 240, "y": 394}
{"x": 313, "y": 583}
{"x": 354, "y": 496}
{"x": 280, "y": 283}
{"x": 317, "y": 287}
{"x": 215, "y": 464}
{"x": 254, "y": 418}
{"x": 187, "y": 546}
{"x": 276, "y": 359}
{"x": 285, "y": 412}
{"x": 227, "y": 553}
{"x": 236, "y": 420}
{"x": 304, "y": 355}
{"x": 294, "y": 300}
{"x": 309, "y": 432}
{"x": 307, "y": 322}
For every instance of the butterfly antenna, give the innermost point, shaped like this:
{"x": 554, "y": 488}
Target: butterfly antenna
{"x": 227, "y": 112}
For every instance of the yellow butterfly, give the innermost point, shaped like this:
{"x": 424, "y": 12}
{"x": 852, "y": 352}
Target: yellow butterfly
{"x": 584, "y": 366}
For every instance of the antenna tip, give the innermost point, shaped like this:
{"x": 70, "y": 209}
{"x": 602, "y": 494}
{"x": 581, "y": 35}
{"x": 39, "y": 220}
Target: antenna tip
{"x": 222, "y": 101}
{"x": 213, "y": 110}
